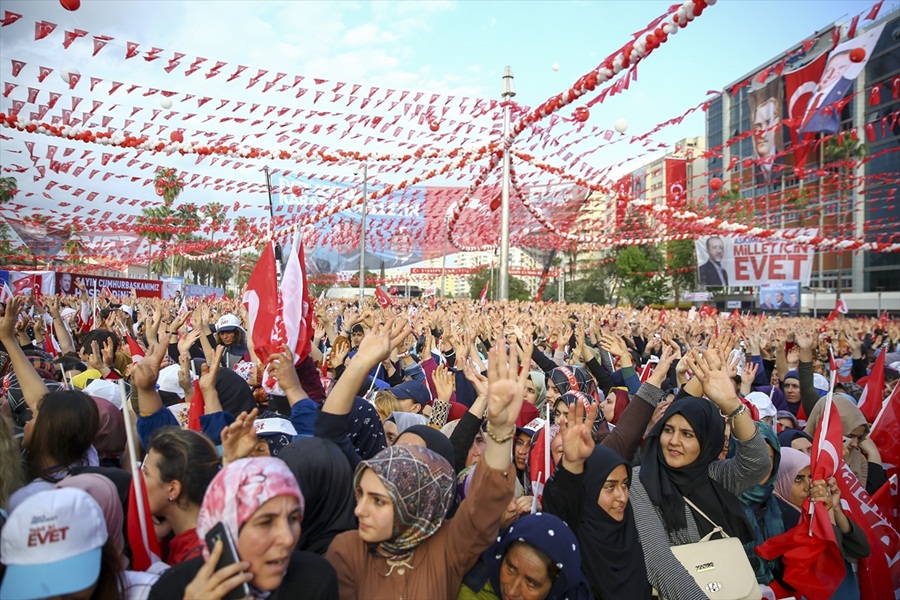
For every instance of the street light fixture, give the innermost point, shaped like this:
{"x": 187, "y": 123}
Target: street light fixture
{"x": 362, "y": 236}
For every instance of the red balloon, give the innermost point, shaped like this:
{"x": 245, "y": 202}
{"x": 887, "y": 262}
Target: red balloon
{"x": 297, "y": 190}
{"x": 857, "y": 55}
{"x": 176, "y": 136}
{"x": 434, "y": 125}
{"x": 495, "y": 203}
{"x": 581, "y": 114}
{"x": 70, "y": 5}
{"x": 715, "y": 184}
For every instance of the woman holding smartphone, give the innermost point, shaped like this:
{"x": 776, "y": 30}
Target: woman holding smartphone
{"x": 253, "y": 509}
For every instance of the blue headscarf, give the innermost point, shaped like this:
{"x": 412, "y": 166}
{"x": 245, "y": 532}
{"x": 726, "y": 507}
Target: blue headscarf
{"x": 550, "y": 535}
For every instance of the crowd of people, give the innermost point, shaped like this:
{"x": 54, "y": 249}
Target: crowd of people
{"x": 424, "y": 450}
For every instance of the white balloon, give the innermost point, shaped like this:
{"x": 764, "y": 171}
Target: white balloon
{"x": 64, "y": 75}
{"x": 621, "y": 124}
{"x": 165, "y": 102}
{"x": 555, "y": 67}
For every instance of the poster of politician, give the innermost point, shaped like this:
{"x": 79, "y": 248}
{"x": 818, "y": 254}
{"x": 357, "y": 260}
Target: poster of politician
{"x": 779, "y": 297}
{"x": 845, "y": 62}
{"x": 738, "y": 261}
{"x": 768, "y": 141}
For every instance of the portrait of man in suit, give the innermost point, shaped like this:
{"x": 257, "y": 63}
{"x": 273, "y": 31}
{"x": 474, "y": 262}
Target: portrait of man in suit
{"x": 765, "y": 111}
{"x": 822, "y": 114}
{"x": 712, "y": 273}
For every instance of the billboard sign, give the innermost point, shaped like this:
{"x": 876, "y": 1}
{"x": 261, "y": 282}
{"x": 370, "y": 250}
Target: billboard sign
{"x": 738, "y": 261}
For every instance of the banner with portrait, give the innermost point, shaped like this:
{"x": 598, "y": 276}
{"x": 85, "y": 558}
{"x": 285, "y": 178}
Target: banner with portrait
{"x": 779, "y": 297}
{"x": 768, "y": 142}
{"x": 832, "y": 92}
{"x": 740, "y": 262}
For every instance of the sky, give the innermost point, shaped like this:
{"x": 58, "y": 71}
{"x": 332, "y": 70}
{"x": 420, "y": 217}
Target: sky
{"x": 451, "y": 48}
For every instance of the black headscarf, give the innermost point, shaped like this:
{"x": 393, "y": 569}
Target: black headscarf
{"x": 365, "y": 429}
{"x": 435, "y": 441}
{"x": 667, "y": 487}
{"x": 235, "y": 394}
{"x": 613, "y": 558}
{"x": 326, "y": 480}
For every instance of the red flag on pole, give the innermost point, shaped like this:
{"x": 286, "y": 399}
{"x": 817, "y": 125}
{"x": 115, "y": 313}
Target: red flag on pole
{"x": 484, "y": 292}
{"x": 141, "y": 535}
{"x": 886, "y": 432}
{"x": 873, "y": 394}
{"x": 137, "y": 353}
{"x": 261, "y": 300}
{"x": 382, "y": 298}
{"x": 296, "y": 303}
{"x": 811, "y": 546}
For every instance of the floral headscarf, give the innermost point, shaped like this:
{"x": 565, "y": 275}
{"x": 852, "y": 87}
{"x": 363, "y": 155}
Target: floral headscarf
{"x": 238, "y": 490}
{"x": 420, "y": 484}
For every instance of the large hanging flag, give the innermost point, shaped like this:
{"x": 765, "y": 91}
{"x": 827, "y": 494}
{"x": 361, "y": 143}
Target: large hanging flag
{"x": 799, "y": 86}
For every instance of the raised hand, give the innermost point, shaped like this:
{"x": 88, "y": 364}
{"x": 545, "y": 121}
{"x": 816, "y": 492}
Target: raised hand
{"x": 713, "y": 376}
{"x": 378, "y": 343}
{"x": 669, "y": 355}
{"x": 281, "y": 367}
{"x": 575, "y": 429}
{"x": 506, "y": 388}
{"x": 478, "y": 381}
{"x": 210, "y": 372}
{"x": 11, "y": 318}
{"x": 443, "y": 382}
{"x": 239, "y": 439}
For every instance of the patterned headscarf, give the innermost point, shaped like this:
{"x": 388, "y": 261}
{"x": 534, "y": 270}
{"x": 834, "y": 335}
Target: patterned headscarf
{"x": 539, "y": 381}
{"x": 420, "y": 484}
{"x": 238, "y": 490}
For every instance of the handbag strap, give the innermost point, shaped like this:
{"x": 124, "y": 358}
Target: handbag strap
{"x": 703, "y": 514}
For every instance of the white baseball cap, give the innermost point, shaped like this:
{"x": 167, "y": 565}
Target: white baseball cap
{"x": 228, "y": 323}
{"x": 51, "y": 545}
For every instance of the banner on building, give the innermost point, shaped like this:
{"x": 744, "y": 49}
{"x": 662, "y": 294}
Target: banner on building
{"x": 768, "y": 142}
{"x": 779, "y": 297}
{"x": 831, "y": 94}
{"x": 170, "y": 285}
{"x": 740, "y": 262}
{"x": 119, "y": 286}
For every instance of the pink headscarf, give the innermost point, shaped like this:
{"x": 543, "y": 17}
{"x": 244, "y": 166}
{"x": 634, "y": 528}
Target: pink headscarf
{"x": 238, "y": 490}
{"x": 104, "y": 492}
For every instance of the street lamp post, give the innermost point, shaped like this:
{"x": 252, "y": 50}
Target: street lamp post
{"x": 444, "y": 260}
{"x": 362, "y": 236}
{"x": 509, "y": 90}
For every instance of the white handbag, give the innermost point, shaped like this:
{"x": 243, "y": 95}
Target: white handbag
{"x": 720, "y": 567}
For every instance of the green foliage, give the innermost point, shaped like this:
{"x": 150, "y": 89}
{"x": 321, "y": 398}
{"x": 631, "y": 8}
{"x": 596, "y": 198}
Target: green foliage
{"x": 843, "y": 147}
{"x": 517, "y": 288}
{"x": 632, "y": 264}
{"x": 681, "y": 255}
{"x": 9, "y": 187}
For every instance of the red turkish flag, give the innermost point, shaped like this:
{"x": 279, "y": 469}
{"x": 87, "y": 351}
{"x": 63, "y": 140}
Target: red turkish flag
{"x": 383, "y": 299}
{"x": 261, "y": 301}
{"x": 141, "y": 534}
{"x": 873, "y": 394}
{"x": 886, "y": 432}
{"x": 42, "y": 29}
{"x": 799, "y": 86}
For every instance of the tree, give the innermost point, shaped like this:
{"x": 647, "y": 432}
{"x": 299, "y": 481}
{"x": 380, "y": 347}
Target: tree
{"x": 681, "y": 260}
{"x": 518, "y": 290}
{"x": 597, "y": 283}
{"x": 632, "y": 265}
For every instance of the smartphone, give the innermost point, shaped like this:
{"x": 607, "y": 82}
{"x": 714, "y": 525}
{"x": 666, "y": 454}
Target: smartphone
{"x": 229, "y": 556}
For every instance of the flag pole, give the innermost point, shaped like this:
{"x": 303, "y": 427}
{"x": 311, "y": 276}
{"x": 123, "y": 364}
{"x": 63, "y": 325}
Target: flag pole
{"x": 823, "y": 429}
{"x": 135, "y": 465}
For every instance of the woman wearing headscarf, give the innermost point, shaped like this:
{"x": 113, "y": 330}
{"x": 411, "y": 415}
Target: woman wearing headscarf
{"x": 856, "y": 429}
{"x": 762, "y": 510}
{"x": 792, "y": 488}
{"x": 398, "y": 422}
{"x": 536, "y": 391}
{"x": 260, "y": 505}
{"x": 590, "y": 490}
{"x": 326, "y": 480}
{"x": 679, "y": 463}
{"x": 537, "y": 558}
{"x": 404, "y": 548}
